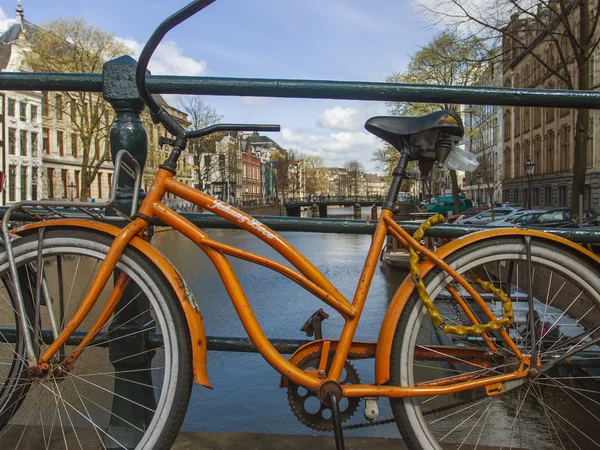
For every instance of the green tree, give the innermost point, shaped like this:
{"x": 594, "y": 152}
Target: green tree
{"x": 447, "y": 60}
{"x": 72, "y": 45}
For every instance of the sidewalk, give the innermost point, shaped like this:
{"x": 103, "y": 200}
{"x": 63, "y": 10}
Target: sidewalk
{"x": 255, "y": 441}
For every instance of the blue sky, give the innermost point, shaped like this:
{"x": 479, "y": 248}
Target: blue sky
{"x": 310, "y": 39}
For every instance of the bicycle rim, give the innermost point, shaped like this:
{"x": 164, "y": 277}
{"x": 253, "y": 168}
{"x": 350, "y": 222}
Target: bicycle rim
{"x": 130, "y": 385}
{"x": 561, "y": 409}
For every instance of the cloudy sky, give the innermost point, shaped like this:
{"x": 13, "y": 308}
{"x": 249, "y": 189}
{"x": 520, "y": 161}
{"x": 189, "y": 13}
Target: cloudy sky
{"x": 309, "y": 39}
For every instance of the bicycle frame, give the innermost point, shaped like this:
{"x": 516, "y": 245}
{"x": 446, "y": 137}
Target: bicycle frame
{"x": 308, "y": 276}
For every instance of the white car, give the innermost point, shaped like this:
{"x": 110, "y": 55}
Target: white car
{"x": 485, "y": 217}
{"x": 519, "y": 218}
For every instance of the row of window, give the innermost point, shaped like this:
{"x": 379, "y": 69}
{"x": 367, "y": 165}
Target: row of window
{"x": 12, "y": 110}
{"x": 522, "y": 196}
{"x": 546, "y": 159}
{"x": 24, "y": 182}
{"x": 524, "y": 124}
{"x": 251, "y": 171}
{"x": 27, "y": 143}
{"x": 69, "y": 186}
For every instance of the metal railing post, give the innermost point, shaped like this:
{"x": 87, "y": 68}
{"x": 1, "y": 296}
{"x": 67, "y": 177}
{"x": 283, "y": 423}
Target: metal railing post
{"x": 134, "y": 380}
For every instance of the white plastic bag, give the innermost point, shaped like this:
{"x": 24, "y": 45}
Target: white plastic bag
{"x": 460, "y": 159}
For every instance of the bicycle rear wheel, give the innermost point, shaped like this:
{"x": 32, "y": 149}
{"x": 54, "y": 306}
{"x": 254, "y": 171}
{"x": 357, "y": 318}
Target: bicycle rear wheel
{"x": 131, "y": 386}
{"x": 561, "y": 408}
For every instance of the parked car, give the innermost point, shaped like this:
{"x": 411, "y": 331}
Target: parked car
{"x": 445, "y": 204}
{"x": 560, "y": 217}
{"x": 485, "y": 217}
{"x": 520, "y": 218}
{"x": 467, "y": 213}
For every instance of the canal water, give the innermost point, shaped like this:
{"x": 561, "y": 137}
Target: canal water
{"x": 246, "y": 395}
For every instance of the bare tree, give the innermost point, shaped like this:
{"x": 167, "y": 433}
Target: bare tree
{"x": 560, "y": 36}
{"x": 72, "y": 45}
{"x": 206, "y": 161}
{"x": 316, "y": 175}
{"x": 289, "y": 175}
{"x": 355, "y": 169}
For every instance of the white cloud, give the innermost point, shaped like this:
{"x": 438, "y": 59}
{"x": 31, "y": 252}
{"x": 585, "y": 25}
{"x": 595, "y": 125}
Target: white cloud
{"x": 168, "y": 59}
{"x": 335, "y": 148}
{"x": 254, "y": 101}
{"x": 5, "y": 22}
{"x": 338, "y": 118}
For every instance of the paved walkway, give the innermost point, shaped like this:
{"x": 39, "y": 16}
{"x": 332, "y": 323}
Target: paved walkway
{"x": 254, "y": 441}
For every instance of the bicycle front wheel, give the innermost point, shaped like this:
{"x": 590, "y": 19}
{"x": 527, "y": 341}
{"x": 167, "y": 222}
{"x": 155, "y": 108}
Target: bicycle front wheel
{"x": 131, "y": 385}
{"x": 561, "y": 408}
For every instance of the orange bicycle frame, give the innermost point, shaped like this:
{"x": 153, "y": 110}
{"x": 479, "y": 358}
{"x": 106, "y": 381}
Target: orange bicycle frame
{"x": 307, "y": 276}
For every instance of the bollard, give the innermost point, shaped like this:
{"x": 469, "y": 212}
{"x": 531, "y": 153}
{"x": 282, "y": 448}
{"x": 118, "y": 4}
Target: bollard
{"x": 357, "y": 211}
{"x": 314, "y": 210}
{"x": 135, "y": 380}
{"x": 374, "y": 212}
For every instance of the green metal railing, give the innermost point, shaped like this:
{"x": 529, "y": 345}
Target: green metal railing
{"x": 117, "y": 85}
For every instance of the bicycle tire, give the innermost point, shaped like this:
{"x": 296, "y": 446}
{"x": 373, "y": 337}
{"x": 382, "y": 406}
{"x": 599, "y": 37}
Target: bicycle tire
{"x": 14, "y": 383}
{"x": 533, "y": 415}
{"x": 81, "y": 407}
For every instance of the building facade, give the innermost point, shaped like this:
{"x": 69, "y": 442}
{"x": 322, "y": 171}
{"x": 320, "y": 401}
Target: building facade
{"x": 543, "y": 136}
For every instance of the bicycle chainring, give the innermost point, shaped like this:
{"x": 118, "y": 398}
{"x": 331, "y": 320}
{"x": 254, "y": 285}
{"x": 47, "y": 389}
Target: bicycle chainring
{"x": 307, "y": 407}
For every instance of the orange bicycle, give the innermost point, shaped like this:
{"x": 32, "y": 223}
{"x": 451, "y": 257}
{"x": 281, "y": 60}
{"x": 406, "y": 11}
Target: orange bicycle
{"x": 493, "y": 334}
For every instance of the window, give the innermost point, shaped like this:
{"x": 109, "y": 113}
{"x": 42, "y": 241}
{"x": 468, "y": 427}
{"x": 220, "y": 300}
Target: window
{"x": 44, "y": 104}
{"x": 562, "y": 195}
{"x": 536, "y": 196}
{"x": 110, "y": 181}
{"x": 60, "y": 143}
{"x": 97, "y": 149}
{"x": 46, "y": 141}
{"x": 22, "y": 111}
{"x": 99, "y": 185}
{"x": 34, "y": 112}
{"x": 24, "y": 183}
{"x": 516, "y": 196}
{"x": 537, "y": 117}
{"x": 548, "y": 195}
{"x": 222, "y": 162}
{"x": 73, "y": 111}
{"x": 549, "y": 150}
{"x": 12, "y": 138}
{"x": 207, "y": 159}
{"x": 63, "y": 182}
{"x": 11, "y": 107}
{"x": 517, "y": 169}
{"x": 59, "y": 107}
{"x": 34, "y": 183}
{"x": 34, "y": 144}
{"x": 517, "y": 120}
{"x": 537, "y": 154}
{"x": 77, "y": 174}
{"x": 50, "y": 181}
{"x": 527, "y": 120}
{"x": 564, "y": 138}
{"x": 12, "y": 183}
{"x": 74, "y": 140}
{"x": 23, "y": 142}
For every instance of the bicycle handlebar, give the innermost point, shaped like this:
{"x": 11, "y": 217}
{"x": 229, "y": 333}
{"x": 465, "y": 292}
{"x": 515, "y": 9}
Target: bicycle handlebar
{"x": 158, "y": 113}
{"x": 231, "y": 127}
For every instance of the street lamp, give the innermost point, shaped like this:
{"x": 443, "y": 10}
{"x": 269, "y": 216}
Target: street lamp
{"x": 529, "y": 168}
{"x": 72, "y": 188}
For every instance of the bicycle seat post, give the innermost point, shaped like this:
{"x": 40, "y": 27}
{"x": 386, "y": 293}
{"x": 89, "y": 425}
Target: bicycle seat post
{"x": 398, "y": 175}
